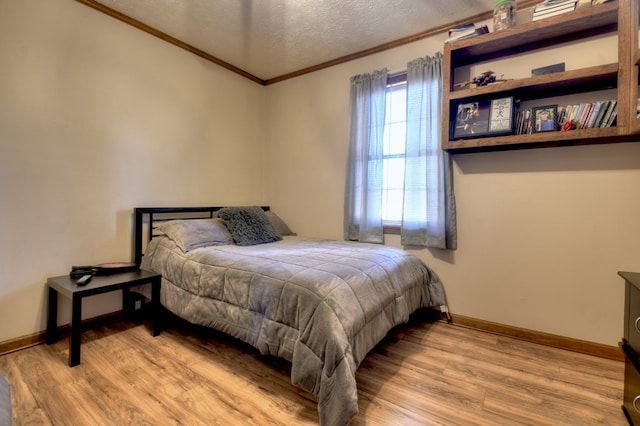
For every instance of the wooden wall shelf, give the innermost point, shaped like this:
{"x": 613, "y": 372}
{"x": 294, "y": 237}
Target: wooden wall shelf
{"x": 620, "y": 18}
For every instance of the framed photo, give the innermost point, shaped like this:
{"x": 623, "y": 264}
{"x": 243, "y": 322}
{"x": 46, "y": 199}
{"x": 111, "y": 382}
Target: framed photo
{"x": 544, "y": 118}
{"x": 483, "y": 118}
{"x": 501, "y": 116}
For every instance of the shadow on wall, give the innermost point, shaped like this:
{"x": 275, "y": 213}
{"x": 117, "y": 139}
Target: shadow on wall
{"x": 617, "y": 156}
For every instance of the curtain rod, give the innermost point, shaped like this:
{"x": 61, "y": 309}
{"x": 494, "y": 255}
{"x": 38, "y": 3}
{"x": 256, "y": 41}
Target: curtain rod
{"x": 395, "y": 72}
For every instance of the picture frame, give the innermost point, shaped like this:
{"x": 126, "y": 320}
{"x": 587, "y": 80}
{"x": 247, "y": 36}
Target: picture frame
{"x": 501, "y": 116}
{"x": 544, "y": 118}
{"x": 483, "y": 118}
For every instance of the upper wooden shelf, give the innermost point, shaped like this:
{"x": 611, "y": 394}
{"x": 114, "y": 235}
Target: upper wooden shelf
{"x": 614, "y": 18}
{"x": 583, "y": 19}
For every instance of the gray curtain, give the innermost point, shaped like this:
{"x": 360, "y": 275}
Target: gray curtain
{"x": 429, "y": 210}
{"x": 363, "y": 195}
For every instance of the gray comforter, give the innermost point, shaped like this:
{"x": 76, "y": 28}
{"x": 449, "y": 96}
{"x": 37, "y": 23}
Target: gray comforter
{"x": 320, "y": 304}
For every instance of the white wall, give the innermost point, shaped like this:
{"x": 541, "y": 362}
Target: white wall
{"x": 96, "y": 118}
{"x": 542, "y": 233}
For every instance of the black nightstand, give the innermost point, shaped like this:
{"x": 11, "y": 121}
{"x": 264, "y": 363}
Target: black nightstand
{"x": 66, "y": 286}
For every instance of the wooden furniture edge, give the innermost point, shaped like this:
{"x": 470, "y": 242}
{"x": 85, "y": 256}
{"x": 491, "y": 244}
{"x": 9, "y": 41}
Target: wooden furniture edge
{"x": 560, "y": 342}
{"x": 567, "y": 343}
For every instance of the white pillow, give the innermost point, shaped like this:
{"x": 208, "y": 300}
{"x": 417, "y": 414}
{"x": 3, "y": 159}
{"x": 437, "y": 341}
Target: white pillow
{"x": 190, "y": 234}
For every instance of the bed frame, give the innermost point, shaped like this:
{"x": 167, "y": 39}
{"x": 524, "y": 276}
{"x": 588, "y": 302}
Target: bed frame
{"x": 146, "y": 219}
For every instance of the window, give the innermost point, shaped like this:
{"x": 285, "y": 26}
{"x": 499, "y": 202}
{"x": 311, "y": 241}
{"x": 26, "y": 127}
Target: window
{"x": 395, "y": 131}
{"x": 398, "y": 177}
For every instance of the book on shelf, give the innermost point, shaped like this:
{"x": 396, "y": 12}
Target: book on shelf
{"x": 517, "y": 128}
{"x": 554, "y": 2}
{"x": 591, "y": 120}
{"x": 609, "y": 109}
{"x": 561, "y": 114}
{"x": 582, "y": 120}
{"x": 602, "y": 113}
{"x": 555, "y": 12}
{"x": 612, "y": 118}
{"x": 523, "y": 122}
{"x": 583, "y": 117}
{"x": 460, "y": 28}
{"x": 544, "y": 7}
{"x": 573, "y": 111}
{"x": 577, "y": 114}
{"x": 459, "y": 34}
{"x": 589, "y": 115}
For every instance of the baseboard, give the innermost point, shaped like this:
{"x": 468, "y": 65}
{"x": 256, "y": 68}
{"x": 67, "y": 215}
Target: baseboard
{"x": 560, "y": 342}
{"x": 38, "y": 338}
{"x": 19, "y": 343}
{"x": 566, "y": 343}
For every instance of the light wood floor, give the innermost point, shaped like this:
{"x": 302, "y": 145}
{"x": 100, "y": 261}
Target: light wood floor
{"x": 424, "y": 373}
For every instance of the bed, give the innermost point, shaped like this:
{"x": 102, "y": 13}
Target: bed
{"x": 320, "y": 304}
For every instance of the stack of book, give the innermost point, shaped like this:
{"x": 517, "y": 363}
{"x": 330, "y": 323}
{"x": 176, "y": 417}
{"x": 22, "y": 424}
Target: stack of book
{"x": 585, "y": 116}
{"x": 549, "y": 8}
{"x": 466, "y": 30}
{"x": 523, "y": 122}
{"x": 590, "y": 115}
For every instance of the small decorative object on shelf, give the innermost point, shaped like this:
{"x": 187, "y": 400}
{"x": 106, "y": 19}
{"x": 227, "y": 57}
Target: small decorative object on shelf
{"x": 504, "y": 15}
{"x": 484, "y": 79}
{"x": 568, "y": 125}
{"x": 549, "y": 69}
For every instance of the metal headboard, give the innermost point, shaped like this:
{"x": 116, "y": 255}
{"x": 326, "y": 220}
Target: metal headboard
{"x": 146, "y": 219}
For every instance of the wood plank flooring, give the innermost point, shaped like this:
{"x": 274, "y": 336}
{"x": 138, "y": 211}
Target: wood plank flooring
{"x": 423, "y": 373}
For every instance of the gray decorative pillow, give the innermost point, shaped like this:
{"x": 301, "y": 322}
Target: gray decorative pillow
{"x": 278, "y": 224}
{"x": 248, "y": 225}
{"x": 191, "y": 234}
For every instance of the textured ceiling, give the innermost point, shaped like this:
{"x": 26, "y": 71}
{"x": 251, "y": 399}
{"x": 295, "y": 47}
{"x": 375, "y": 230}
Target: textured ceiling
{"x": 272, "y": 38}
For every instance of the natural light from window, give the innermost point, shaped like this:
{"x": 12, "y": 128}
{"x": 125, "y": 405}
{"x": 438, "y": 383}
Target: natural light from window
{"x": 395, "y": 130}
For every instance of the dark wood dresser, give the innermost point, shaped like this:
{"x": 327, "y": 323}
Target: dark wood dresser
{"x": 630, "y": 345}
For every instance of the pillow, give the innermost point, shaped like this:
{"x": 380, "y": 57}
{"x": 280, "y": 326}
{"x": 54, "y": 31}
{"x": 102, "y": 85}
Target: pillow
{"x": 191, "y": 234}
{"x": 278, "y": 224}
{"x": 248, "y": 225}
